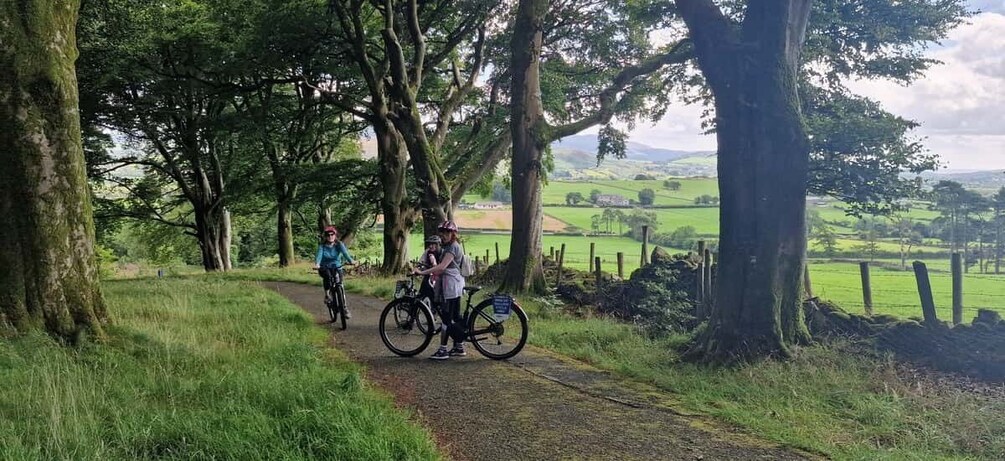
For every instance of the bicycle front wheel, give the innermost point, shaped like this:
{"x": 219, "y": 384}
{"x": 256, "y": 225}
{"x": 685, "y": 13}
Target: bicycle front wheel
{"x": 497, "y": 339}
{"x": 331, "y": 304}
{"x": 340, "y": 297}
{"x": 406, "y": 326}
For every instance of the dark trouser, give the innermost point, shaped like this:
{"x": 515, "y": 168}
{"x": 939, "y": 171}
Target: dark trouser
{"x": 450, "y": 312}
{"x": 330, "y": 275}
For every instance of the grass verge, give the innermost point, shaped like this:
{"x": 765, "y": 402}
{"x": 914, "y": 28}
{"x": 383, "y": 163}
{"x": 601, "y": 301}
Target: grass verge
{"x": 829, "y": 399}
{"x": 196, "y": 368}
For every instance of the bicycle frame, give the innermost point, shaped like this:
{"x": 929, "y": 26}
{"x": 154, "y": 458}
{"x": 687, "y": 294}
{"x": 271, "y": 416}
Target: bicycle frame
{"x": 336, "y": 276}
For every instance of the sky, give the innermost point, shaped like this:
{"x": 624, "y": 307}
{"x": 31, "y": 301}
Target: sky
{"x": 960, "y": 103}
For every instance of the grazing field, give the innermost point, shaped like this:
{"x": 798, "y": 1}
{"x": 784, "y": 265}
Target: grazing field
{"x": 555, "y": 191}
{"x": 577, "y": 252}
{"x": 834, "y": 212}
{"x": 705, "y": 220}
{"x": 896, "y": 292}
{"x": 498, "y": 219}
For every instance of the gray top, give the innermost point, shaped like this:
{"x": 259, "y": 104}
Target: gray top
{"x": 451, "y": 281}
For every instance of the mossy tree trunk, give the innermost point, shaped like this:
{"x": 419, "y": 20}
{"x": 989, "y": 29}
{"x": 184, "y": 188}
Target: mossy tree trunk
{"x": 763, "y": 165}
{"x": 49, "y": 276}
{"x": 398, "y": 218}
{"x": 524, "y": 271}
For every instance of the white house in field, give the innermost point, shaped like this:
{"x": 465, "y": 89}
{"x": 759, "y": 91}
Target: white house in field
{"x": 489, "y": 206}
{"x": 612, "y": 200}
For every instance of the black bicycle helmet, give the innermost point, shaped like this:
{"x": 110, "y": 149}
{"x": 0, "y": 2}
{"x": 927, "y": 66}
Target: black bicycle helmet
{"x": 434, "y": 239}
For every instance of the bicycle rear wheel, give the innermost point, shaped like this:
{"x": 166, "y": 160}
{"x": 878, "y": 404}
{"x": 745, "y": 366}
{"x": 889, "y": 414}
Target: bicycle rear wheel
{"x": 406, "y": 326}
{"x": 340, "y": 298}
{"x": 497, "y": 339}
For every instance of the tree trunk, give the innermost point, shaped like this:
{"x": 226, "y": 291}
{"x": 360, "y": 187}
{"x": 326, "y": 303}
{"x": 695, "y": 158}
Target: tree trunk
{"x": 763, "y": 165}
{"x": 225, "y": 241}
{"x": 524, "y": 271}
{"x": 50, "y": 276}
{"x": 394, "y": 203}
{"x": 284, "y": 193}
{"x": 284, "y": 229}
{"x": 998, "y": 243}
{"x": 434, "y": 193}
{"x": 210, "y": 224}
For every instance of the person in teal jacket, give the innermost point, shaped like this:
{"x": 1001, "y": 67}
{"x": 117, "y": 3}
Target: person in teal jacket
{"x": 332, "y": 255}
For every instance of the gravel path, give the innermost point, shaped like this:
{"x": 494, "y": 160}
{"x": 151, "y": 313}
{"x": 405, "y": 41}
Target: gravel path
{"x": 537, "y": 405}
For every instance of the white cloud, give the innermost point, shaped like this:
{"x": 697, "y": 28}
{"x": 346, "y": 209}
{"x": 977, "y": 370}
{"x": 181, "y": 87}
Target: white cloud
{"x": 960, "y": 103}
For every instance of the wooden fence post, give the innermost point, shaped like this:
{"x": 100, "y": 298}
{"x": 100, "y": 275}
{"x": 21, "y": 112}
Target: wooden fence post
{"x": 925, "y": 291}
{"x": 551, "y": 251}
{"x": 957, "y": 267}
{"x": 709, "y": 297}
{"x": 701, "y": 271}
{"x": 621, "y": 265}
{"x": 596, "y": 264}
{"x": 593, "y": 247}
{"x": 561, "y": 260}
{"x": 645, "y": 247}
{"x": 497, "y": 252}
{"x": 866, "y": 286}
{"x": 807, "y": 286}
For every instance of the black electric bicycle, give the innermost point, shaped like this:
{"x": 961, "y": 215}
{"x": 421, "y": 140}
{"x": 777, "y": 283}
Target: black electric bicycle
{"x": 497, "y": 326}
{"x": 335, "y": 299}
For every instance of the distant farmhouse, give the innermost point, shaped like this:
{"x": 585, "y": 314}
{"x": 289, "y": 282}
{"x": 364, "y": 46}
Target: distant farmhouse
{"x": 611, "y": 200}
{"x": 488, "y": 205}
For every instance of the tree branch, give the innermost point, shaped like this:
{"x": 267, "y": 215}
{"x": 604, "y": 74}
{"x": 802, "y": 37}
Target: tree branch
{"x": 681, "y": 52}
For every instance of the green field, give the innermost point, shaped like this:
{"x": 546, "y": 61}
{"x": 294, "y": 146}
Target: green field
{"x": 577, "y": 250}
{"x": 555, "y": 191}
{"x": 704, "y": 220}
{"x": 896, "y": 292}
{"x": 834, "y": 212}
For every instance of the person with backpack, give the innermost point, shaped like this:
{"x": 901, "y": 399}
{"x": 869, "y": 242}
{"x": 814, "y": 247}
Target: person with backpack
{"x": 449, "y": 287}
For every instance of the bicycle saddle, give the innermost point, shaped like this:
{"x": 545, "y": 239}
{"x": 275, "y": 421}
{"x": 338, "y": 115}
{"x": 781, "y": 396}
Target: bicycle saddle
{"x": 472, "y": 289}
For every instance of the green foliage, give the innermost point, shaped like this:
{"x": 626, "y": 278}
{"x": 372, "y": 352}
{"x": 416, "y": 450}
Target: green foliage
{"x": 197, "y": 369}
{"x": 859, "y": 152}
{"x": 684, "y": 237}
{"x": 658, "y": 297}
{"x": 646, "y": 197}
{"x": 573, "y": 198}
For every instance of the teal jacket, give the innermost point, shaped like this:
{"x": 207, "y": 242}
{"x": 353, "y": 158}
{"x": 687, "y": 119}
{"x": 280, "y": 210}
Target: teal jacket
{"x": 330, "y": 256}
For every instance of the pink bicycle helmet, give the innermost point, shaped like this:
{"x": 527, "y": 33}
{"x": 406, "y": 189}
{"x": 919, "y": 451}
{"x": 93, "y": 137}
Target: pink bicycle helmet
{"x": 448, "y": 226}
{"x": 330, "y": 230}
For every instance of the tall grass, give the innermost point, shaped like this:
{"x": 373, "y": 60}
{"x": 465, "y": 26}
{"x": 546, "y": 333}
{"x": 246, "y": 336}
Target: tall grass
{"x": 196, "y": 369}
{"x": 829, "y": 399}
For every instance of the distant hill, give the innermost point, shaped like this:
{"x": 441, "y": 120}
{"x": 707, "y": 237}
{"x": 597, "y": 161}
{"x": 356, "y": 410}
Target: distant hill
{"x": 635, "y": 150}
{"x": 576, "y": 158}
{"x": 987, "y": 181}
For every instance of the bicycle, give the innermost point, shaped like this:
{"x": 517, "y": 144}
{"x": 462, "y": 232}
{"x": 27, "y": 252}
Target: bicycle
{"x": 408, "y": 319}
{"x": 335, "y": 297}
